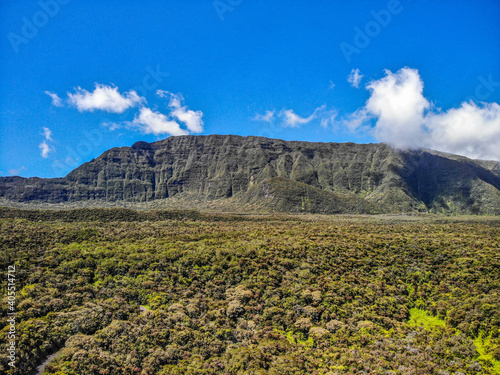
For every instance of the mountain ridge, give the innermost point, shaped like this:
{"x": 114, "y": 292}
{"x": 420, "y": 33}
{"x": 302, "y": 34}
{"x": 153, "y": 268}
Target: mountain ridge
{"x": 332, "y": 177}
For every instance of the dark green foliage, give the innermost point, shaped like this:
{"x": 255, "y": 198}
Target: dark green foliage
{"x": 266, "y": 295}
{"x": 283, "y": 195}
{"x": 99, "y": 214}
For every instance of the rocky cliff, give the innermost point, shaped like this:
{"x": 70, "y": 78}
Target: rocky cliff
{"x": 280, "y": 175}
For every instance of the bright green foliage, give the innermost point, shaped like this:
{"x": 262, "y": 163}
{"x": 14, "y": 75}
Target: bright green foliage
{"x": 488, "y": 352}
{"x": 420, "y": 318}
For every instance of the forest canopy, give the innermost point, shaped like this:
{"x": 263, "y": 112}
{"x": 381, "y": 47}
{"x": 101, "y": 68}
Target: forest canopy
{"x": 186, "y": 293}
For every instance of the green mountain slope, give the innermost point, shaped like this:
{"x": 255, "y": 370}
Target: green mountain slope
{"x": 342, "y": 177}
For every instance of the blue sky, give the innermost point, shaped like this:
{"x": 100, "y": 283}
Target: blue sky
{"x": 79, "y": 77}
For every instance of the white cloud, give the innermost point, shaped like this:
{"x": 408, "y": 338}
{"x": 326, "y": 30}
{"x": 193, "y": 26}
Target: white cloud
{"x": 326, "y": 116}
{"x": 153, "y": 122}
{"x": 162, "y": 93}
{"x": 104, "y": 98}
{"x": 397, "y": 102}
{"x": 472, "y": 130}
{"x": 112, "y": 125}
{"x": 355, "y": 78}
{"x": 15, "y": 172}
{"x": 405, "y": 119}
{"x": 192, "y": 119}
{"x": 157, "y": 123}
{"x": 56, "y": 100}
{"x": 267, "y": 117}
{"x": 47, "y": 133}
{"x": 357, "y": 121}
{"x": 45, "y": 149}
{"x": 292, "y": 120}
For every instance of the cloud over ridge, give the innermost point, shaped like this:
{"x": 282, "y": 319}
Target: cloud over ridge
{"x": 293, "y": 120}
{"x": 149, "y": 121}
{"x": 192, "y": 119}
{"x": 104, "y": 98}
{"x": 397, "y": 112}
{"x": 153, "y": 122}
{"x": 405, "y": 119}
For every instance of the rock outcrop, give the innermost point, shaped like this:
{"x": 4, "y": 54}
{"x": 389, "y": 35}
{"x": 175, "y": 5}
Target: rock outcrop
{"x": 288, "y": 176}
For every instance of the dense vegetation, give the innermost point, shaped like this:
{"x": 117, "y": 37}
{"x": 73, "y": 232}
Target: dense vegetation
{"x": 148, "y": 293}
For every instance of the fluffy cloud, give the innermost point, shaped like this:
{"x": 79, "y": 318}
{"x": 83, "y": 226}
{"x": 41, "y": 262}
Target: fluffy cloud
{"x": 157, "y": 123}
{"x": 104, "y": 98}
{"x": 56, "y": 100}
{"x": 154, "y": 122}
{"x": 397, "y": 102}
{"x": 292, "y": 120}
{"x": 45, "y": 147}
{"x": 109, "y": 99}
{"x": 355, "y": 78}
{"x": 112, "y": 125}
{"x": 472, "y": 130}
{"x": 192, "y": 119}
{"x": 47, "y": 133}
{"x": 15, "y": 172}
{"x": 267, "y": 117}
{"x": 405, "y": 119}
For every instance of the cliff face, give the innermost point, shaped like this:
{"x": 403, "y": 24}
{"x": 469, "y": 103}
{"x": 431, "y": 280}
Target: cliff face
{"x": 351, "y": 177}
